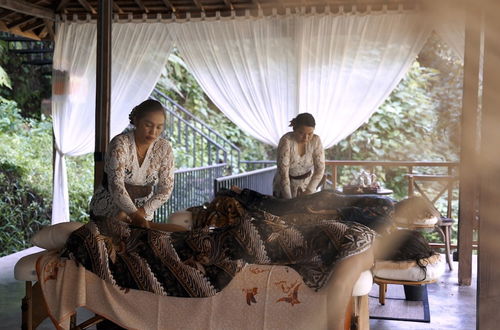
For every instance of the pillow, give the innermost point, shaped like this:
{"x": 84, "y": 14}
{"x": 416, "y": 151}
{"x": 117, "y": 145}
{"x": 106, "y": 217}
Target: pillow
{"x": 416, "y": 210}
{"x": 428, "y": 222}
{"x": 55, "y": 236}
{"x": 409, "y": 270}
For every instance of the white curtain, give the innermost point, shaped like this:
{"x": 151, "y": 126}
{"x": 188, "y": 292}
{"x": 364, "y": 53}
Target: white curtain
{"x": 261, "y": 72}
{"x": 139, "y": 53}
{"x": 448, "y": 20}
{"x": 453, "y": 34}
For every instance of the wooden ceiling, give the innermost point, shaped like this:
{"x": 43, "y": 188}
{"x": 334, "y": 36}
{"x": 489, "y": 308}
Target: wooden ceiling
{"x": 35, "y": 18}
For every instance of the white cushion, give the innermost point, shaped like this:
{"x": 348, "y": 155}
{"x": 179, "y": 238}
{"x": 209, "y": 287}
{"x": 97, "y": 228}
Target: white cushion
{"x": 409, "y": 270}
{"x": 25, "y": 268}
{"x": 54, "y": 237}
{"x": 182, "y": 218}
{"x": 419, "y": 222}
{"x": 363, "y": 285}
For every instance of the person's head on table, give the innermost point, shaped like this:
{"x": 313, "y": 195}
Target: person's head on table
{"x": 303, "y": 127}
{"x": 148, "y": 120}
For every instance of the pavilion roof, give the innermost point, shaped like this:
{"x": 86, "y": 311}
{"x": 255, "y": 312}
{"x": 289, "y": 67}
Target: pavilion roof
{"x": 35, "y": 18}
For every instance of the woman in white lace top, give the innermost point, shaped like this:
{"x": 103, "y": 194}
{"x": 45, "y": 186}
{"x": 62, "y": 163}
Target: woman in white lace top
{"x": 136, "y": 161}
{"x": 301, "y": 159}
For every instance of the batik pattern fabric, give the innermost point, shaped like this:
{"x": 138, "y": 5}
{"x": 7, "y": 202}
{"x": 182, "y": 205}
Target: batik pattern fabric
{"x": 291, "y": 163}
{"x": 225, "y": 237}
{"x": 123, "y": 170}
{"x": 373, "y": 211}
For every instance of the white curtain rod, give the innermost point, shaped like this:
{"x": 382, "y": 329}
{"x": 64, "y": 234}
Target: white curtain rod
{"x": 248, "y": 14}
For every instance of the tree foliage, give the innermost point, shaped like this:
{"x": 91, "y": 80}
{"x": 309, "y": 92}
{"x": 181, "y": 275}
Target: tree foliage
{"x": 29, "y": 84}
{"x": 4, "y": 77}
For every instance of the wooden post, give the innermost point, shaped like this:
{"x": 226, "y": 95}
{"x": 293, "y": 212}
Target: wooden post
{"x": 103, "y": 87}
{"x": 468, "y": 189}
{"x": 489, "y": 208}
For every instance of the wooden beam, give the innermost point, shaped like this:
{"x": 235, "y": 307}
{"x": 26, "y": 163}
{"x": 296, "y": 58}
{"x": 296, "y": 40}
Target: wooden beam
{"x": 62, "y": 6}
{"x": 488, "y": 289}
{"x": 198, "y": 5}
{"x": 24, "y": 7}
{"x": 18, "y": 32}
{"x": 117, "y": 8}
{"x": 103, "y": 88}
{"x": 141, "y": 5}
{"x": 21, "y": 22}
{"x": 256, "y": 3}
{"x": 43, "y": 33}
{"x": 229, "y": 4}
{"x": 88, "y": 7}
{"x": 168, "y": 4}
{"x": 469, "y": 169}
{"x": 50, "y": 29}
{"x": 33, "y": 26}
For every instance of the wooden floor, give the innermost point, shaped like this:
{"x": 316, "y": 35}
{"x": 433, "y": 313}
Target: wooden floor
{"x": 451, "y": 306}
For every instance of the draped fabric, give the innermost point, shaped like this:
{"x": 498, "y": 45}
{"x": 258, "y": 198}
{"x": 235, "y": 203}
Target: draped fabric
{"x": 139, "y": 53}
{"x": 453, "y": 34}
{"x": 202, "y": 261}
{"x": 448, "y": 20}
{"x": 261, "y": 72}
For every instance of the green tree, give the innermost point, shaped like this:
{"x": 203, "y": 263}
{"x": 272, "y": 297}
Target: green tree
{"x": 4, "y": 77}
{"x": 30, "y": 84}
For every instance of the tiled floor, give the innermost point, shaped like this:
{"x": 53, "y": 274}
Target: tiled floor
{"x": 451, "y": 306}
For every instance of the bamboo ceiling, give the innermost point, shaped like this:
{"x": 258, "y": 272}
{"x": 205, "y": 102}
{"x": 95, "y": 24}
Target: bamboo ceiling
{"x": 35, "y": 18}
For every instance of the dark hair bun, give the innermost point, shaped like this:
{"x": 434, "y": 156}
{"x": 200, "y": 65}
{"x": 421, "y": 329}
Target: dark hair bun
{"x": 303, "y": 119}
{"x": 144, "y": 108}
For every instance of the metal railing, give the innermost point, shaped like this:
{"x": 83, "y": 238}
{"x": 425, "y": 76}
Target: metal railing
{"x": 259, "y": 180}
{"x": 33, "y": 52}
{"x": 203, "y": 144}
{"x": 192, "y": 186}
{"x": 250, "y": 165}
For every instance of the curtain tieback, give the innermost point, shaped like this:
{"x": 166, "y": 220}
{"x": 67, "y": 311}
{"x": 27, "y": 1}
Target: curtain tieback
{"x": 301, "y": 177}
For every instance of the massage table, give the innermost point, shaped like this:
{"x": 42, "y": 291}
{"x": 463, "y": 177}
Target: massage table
{"x": 259, "y": 297}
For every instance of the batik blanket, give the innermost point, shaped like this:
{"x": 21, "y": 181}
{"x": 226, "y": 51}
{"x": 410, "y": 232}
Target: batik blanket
{"x": 225, "y": 237}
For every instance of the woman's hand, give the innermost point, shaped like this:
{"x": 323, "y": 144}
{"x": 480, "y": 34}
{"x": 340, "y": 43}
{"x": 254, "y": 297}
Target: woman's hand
{"x": 122, "y": 216}
{"x": 138, "y": 218}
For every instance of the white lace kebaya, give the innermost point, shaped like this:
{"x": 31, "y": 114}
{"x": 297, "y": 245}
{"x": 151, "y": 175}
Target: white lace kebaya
{"x": 292, "y": 164}
{"x": 129, "y": 185}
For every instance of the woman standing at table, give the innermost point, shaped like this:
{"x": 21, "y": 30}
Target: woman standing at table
{"x": 138, "y": 172}
{"x": 300, "y": 159}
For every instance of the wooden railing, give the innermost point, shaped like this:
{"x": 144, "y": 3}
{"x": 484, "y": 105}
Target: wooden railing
{"x": 371, "y": 166}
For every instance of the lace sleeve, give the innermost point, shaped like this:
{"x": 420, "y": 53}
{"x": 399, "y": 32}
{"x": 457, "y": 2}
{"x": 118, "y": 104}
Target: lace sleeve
{"x": 165, "y": 181}
{"x": 319, "y": 166}
{"x": 115, "y": 161}
{"x": 283, "y": 161}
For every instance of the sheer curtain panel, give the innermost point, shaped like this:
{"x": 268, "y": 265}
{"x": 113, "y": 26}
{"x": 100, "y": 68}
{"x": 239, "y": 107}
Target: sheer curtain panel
{"x": 261, "y": 72}
{"x": 139, "y": 53}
